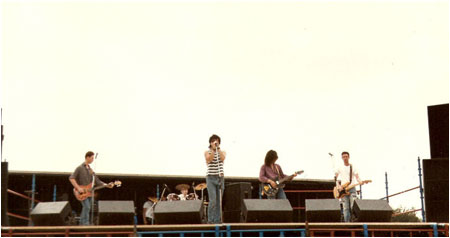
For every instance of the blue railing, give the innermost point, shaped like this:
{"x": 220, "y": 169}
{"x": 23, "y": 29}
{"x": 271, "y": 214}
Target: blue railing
{"x": 224, "y": 233}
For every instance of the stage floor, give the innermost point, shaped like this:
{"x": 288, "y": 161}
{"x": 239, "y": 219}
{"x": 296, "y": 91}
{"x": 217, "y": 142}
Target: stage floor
{"x": 239, "y": 229}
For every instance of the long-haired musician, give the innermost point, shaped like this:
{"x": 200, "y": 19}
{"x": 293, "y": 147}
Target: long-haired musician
{"x": 270, "y": 171}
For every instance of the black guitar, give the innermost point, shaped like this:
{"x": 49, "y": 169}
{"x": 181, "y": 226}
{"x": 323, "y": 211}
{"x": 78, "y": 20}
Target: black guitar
{"x": 272, "y": 191}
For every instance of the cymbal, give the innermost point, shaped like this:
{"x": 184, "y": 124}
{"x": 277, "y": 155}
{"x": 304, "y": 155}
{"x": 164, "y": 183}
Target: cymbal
{"x": 200, "y": 186}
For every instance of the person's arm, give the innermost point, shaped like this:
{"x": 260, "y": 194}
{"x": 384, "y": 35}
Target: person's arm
{"x": 262, "y": 175}
{"x": 223, "y": 154}
{"x": 338, "y": 182}
{"x": 144, "y": 211}
{"x": 73, "y": 181}
{"x": 264, "y": 179}
{"x": 357, "y": 177}
{"x": 281, "y": 171}
{"x": 209, "y": 156}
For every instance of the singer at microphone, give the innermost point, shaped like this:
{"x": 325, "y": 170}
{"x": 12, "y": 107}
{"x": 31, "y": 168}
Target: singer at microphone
{"x": 215, "y": 158}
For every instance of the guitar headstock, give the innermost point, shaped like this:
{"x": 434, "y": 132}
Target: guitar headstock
{"x": 299, "y": 172}
{"x": 366, "y": 182}
{"x": 118, "y": 183}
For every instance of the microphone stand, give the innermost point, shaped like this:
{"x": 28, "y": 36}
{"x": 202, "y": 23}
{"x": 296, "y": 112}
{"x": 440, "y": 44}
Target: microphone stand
{"x": 92, "y": 198}
{"x": 220, "y": 188}
{"x": 154, "y": 204}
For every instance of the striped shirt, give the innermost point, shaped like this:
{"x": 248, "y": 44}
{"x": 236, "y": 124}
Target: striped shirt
{"x": 215, "y": 167}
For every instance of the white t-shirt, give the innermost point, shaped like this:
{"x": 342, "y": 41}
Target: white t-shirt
{"x": 182, "y": 197}
{"x": 344, "y": 174}
{"x": 149, "y": 212}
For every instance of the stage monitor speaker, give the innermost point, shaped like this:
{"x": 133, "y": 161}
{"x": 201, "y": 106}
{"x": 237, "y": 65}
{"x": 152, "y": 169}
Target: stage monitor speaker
{"x": 115, "y": 212}
{"x": 5, "y": 218}
{"x": 438, "y": 130}
{"x": 371, "y": 210}
{"x": 179, "y": 212}
{"x": 323, "y": 210}
{"x": 267, "y": 210}
{"x": 51, "y": 213}
{"x": 435, "y": 178}
{"x": 234, "y": 195}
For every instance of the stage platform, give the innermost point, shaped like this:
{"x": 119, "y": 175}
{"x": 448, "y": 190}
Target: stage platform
{"x": 239, "y": 229}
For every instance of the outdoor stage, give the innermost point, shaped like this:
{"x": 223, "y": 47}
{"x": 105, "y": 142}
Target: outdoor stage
{"x": 239, "y": 229}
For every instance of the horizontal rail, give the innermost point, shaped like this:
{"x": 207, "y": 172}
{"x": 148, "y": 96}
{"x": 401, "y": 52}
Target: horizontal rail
{"x": 17, "y": 216}
{"x": 309, "y": 191}
{"x": 395, "y": 194}
{"x": 21, "y": 195}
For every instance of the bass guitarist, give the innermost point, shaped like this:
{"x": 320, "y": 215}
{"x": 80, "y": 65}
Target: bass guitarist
{"x": 270, "y": 172}
{"x": 82, "y": 176}
{"x": 344, "y": 174}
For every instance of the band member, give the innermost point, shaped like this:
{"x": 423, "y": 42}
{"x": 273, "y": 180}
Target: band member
{"x": 184, "y": 189}
{"x": 82, "y": 176}
{"x": 214, "y": 178}
{"x": 147, "y": 212}
{"x": 270, "y": 171}
{"x": 343, "y": 174}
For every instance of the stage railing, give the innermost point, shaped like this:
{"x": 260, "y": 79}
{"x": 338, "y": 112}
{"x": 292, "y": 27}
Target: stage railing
{"x": 218, "y": 232}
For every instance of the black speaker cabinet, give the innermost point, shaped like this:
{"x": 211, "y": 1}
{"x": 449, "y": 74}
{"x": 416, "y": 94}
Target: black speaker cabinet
{"x": 435, "y": 180}
{"x": 267, "y": 210}
{"x": 234, "y": 195}
{"x": 115, "y": 212}
{"x": 5, "y": 218}
{"x": 438, "y": 130}
{"x": 51, "y": 213}
{"x": 370, "y": 210}
{"x": 323, "y": 210}
{"x": 179, "y": 212}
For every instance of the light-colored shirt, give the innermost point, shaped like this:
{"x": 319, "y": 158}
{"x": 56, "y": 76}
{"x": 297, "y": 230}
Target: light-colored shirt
{"x": 344, "y": 174}
{"x": 149, "y": 212}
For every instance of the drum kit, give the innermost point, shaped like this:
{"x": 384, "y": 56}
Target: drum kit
{"x": 191, "y": 196}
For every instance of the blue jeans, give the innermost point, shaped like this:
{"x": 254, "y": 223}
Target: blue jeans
{"x": 280, "y": 195}
{"x": 347, "y": 204}
{"x": 85, "y": 211}
{"x": 214, "y": 183}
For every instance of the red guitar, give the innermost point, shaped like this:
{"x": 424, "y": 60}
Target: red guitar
{"x": 88, "y": 190}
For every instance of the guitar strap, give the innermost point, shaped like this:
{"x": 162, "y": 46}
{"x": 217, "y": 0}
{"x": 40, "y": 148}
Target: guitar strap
{"x": 278, "y": 172}
{"x": 351, "y": 174}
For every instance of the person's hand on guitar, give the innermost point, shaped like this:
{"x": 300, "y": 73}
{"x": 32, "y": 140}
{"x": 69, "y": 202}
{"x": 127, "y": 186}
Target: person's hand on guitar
{"x": 339, "y": 187}
{"x": 272, "y": 183}
{"x": 110, "y": 185}
{"x": 81, "y": 190}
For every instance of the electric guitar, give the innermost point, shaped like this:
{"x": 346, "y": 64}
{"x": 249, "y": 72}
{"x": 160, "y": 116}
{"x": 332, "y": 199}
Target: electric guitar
{"x": 346, "y": 188}
{"x": 88, "y": 190}
{"x": 272, "y": 191}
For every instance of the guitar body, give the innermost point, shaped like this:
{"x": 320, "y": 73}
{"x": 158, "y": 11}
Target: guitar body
{"x": 346, "y": 189}
{"x": 87, "y": 192}
{"x": 271, "y": 191}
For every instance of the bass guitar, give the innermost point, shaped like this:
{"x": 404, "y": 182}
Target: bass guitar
{"x": 88, "y": 190}
{"x": 270, "y": 191}
{"x": 346, "y": 188}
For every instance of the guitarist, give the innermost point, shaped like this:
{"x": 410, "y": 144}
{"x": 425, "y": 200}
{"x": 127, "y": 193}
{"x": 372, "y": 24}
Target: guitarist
{"x": 343, "y": 174}
{"x": 270, "y": 171}
{"x": 82, "y": 176}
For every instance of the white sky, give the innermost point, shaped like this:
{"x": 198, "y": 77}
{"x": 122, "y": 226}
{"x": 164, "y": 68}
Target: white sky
{"x": 146, "y": 83}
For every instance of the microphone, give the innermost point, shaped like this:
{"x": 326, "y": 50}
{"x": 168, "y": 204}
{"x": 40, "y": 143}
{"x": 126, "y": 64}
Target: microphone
{"x": 96, "y": 154}
{"x": 330, "y": 154}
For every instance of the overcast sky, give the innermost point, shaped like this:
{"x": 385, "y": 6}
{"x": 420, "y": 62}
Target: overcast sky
{"x": 146, "y": 83}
